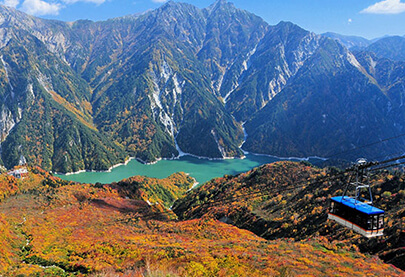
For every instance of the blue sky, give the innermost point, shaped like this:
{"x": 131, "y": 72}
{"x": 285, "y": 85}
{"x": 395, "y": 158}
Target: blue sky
{"x": 367, "y": 18}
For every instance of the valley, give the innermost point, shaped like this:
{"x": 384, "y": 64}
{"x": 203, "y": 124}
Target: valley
{"x": 51, "y": 227}
{"x": 202, "y": 170}
{"x": 180, "y": 79}
{"x": 152, "y": 144}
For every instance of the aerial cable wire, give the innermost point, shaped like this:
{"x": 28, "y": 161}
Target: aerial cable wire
{"x": 392, "y": 159}
{"x": 272, "y": 191}
{"x": 222, "y": 201}
{"x": 367, "y": 145}
{"x": 387, "y": 166}
{"x": 390, "y": 155}
{"x": 269, "y": 191}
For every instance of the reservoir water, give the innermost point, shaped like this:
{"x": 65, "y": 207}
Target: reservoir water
{"x": 202, "y": 170}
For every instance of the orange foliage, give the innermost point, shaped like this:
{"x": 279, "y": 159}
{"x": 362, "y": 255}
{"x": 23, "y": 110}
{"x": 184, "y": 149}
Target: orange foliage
{"x": 7, "y": 255}
{"x": 72, "y": 229}
{"x": 84, "y": 119}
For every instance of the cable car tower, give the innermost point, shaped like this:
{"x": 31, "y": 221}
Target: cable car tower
{"x": 356, "y": 212}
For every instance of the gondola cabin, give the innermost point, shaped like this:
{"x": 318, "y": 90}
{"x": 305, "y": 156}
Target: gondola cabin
{"x": 358, "y": 216}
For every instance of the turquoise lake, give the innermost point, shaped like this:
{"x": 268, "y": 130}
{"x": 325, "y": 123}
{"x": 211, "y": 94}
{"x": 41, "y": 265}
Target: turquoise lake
{"x": 202, "y": 170}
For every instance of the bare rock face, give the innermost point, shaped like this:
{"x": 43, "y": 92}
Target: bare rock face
{"x": 6, "y": 123}
{"x": 179, "y": 79}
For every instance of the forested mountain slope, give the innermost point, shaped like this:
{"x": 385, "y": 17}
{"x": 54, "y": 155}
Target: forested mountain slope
{"x": 179, "y": 79}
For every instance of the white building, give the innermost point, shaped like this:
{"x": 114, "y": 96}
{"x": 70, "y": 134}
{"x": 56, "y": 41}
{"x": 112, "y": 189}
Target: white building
{"x": 19, "y": 173}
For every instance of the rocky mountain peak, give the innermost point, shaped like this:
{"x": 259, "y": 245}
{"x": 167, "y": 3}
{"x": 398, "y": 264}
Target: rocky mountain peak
{"x": 175, "y": 6}
{"x": 171, "y": 5}
{"x": 221, "y": 5}
{"x": 11, "y": 17}
{"x": 175, "y": 78}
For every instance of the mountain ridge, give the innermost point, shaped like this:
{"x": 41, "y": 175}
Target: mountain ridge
{"x": 351, "y": 42}
{"x": 180, "y": 79}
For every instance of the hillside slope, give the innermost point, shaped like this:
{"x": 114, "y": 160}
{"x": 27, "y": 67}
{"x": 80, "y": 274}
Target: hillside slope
{"x": 180, "y": 79}
{"x": 281, "y": 200}
{"x": 55, "y": 228}
{"x": 46, "y": 111}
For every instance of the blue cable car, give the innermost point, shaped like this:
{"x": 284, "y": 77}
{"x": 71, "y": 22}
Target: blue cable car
{"x": 358, "y": 216}
{"x": 356, "y": 213}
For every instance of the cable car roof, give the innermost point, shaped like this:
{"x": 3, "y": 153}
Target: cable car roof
{"x": 356, "y": 204}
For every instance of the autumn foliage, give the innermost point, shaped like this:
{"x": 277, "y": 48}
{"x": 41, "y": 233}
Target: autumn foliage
{"x": 284, "y": 200}
{"x": 50, "y": 227}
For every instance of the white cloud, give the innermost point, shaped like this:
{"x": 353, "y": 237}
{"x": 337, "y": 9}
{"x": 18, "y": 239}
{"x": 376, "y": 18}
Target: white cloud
{"x": 98, "y": 2}
{"x": 159, "y": 1}
{"x": 386, "y": 7}
{"x": 43, "y": 7}
{"x": 11, "y": 3}
{"x": 40, "y": 7}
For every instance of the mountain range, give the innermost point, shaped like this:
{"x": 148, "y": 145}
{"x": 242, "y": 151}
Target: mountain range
{"x": 179, "y": 79}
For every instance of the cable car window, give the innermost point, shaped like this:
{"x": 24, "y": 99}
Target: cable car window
{"x": 357, "y": 213}
{"x": 381, "y": 222}
{"x": 375, "y": 222}
{"x": 369, "y": 223}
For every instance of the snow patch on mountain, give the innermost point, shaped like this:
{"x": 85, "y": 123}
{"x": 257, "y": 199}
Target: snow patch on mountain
{"x": 353, "y": 61}
{"x": 45, "y": 82}
{"x": 373, "y": 63}
{"x": 7, "y": 123}
{"x": 5, "y": 37}
{"x": 166, "y": 94}
{"x": 6, "y": 68}
{"x": 237, "y": 80}
{"x": 30, "y": 92}
{"x": 220, "y": 148}
{"x": 306, "y": 48}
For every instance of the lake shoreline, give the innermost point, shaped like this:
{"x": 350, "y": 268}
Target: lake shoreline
{"x": 194, "y": 156}
{"x": 202, "y": 170}
{"x": 89, "y": 170}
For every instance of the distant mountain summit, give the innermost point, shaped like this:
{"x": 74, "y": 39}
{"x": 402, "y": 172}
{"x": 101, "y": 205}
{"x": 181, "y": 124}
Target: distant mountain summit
{"x": 351, "y": 42}
{"x": 179, "y": 79}
{"x": 389, "y": 47}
